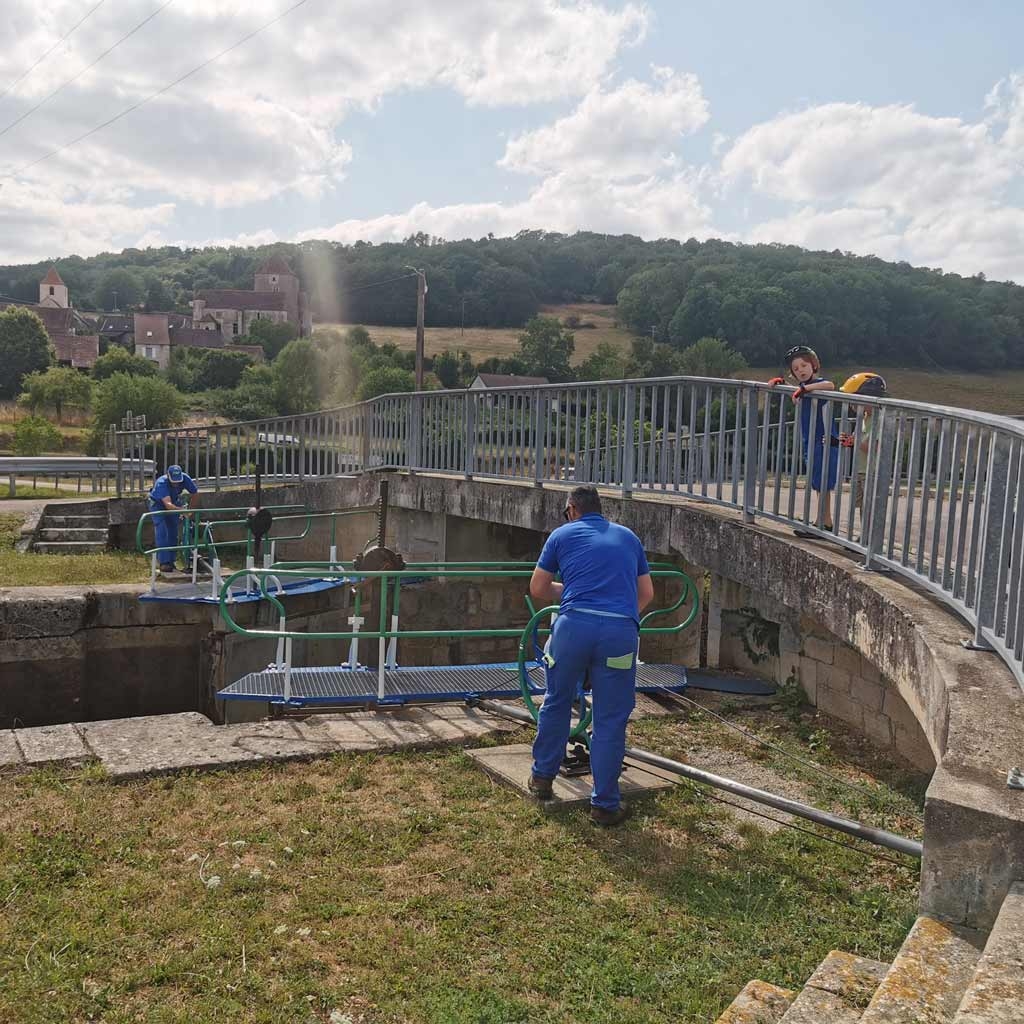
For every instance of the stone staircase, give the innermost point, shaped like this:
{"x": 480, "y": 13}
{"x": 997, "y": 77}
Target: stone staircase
{"x": 941, "y": 975}
{"x": 72, "y": 528}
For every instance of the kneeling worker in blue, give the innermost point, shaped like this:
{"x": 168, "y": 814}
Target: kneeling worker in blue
{"x": 606, "y": 584}
{"x": 170, "y": 493}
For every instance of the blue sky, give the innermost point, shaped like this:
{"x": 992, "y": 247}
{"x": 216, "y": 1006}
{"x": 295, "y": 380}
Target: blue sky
{"x": 894, "y": 129}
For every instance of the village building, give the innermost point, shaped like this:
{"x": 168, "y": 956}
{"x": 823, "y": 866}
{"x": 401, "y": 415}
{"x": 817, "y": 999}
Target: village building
{"x": 74, "y": 338}
{"x": 486, "y": 381}
{"x": 157, "y": 335}
{"x": 277, "y": 296}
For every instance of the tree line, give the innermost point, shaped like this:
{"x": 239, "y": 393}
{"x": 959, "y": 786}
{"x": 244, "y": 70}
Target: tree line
{"x": 759, "y": 299}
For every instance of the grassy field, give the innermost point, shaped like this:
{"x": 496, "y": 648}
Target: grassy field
{"x": 30, "y": 570}
{"x": 484, "y": 342}
{"x": 410, "y": 888}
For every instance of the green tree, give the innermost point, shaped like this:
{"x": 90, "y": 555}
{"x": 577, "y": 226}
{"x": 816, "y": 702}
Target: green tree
{"x": 34, "y": 435}
{"x": 453, "y": 369}
{"x": 119, "y": 360}
{"x": 606, "y": 362}
{"x": 158, "y": 296}
{"x": 545, "y": 348}
{"x": 272, "y": 336}
{"x": 206, "y": 369}
{"x": 159, "y": 401}
{"x": 297, "y": 377}
{"x": 120, "y": 288}
{"x": 24, "y": 348}
{"x": 386, "y": 380}
{"x": 253, "y": 399}
{"x": 55, "y": 388}
{"x": 710, "y": 357}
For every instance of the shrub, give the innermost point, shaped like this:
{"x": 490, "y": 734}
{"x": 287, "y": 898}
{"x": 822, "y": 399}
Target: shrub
{"x": 34, "y": 435}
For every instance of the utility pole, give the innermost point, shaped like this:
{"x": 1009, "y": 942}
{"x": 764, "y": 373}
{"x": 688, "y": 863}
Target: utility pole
{"x": 421, "y": 296}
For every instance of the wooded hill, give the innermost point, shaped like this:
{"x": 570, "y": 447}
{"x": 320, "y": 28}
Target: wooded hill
{"x": 759, "y": 298}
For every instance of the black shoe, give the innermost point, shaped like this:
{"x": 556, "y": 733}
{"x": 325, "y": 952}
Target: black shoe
{"x": 609, "y": 819}
{"x": 540, "y": 788}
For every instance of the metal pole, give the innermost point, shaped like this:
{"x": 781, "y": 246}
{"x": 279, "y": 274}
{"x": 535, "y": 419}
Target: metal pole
{"x": 880, "y": 837}
{"x": 421, "y": 295}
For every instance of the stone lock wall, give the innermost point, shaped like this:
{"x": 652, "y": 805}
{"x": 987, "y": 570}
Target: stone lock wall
{"x": 751, "y": 632}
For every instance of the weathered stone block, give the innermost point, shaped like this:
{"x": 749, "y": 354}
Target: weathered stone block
{"x": 820, "y": 650}
{"x": 868, "y": 694}
{"x": 808, "y": 671}
{"x": 835, "y": 679}
{"x": 869, "y": 671}
{"x": 840, "y": 706}
{"x": 10, "y": 754}
{"x": 52, "y": 743}
{"x": 847, "y": 659}
{"x": 758, "y": 1003}
{"x": 878, "y": 729}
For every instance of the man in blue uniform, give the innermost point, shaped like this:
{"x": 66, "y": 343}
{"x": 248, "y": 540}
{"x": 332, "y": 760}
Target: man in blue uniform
{"x": 169, "y": 492}
{"x": 606, "y": 584}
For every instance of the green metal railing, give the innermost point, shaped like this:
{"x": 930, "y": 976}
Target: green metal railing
{"x": 387, "y": 630}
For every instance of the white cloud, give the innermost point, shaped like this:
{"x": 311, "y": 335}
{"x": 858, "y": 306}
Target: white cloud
{"x": 632, "y": 129}
{"x": 651, "y": 207}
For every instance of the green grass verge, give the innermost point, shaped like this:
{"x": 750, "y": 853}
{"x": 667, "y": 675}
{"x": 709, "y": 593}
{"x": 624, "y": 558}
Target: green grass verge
{"x": 408, "y": 888}
{"x": 27, "y": 491}
{"x": 32, "y": 570}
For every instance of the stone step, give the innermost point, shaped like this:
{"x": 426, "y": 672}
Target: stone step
{"x": 928, "y": 977}
{"x": 69, "y": 547}
{"x": 51, "y": 533}
{"x": 995, "y": 994}
{"x": 758, "y": 1003}
{"x": 97, "y": 522}
{"x": 838, "y": 991}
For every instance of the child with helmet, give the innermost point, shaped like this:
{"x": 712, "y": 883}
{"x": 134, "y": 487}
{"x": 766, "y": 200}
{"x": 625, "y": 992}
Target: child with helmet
{"x": 804, "y": 366}
{"x": 871, "y": 385}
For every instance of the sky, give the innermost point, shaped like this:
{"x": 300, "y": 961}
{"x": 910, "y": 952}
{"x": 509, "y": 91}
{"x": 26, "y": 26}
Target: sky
{"x": 893, "y": 129}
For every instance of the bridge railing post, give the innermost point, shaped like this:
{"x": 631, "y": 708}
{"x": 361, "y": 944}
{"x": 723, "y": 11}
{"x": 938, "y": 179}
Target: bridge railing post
{"x": 751, "y": 467}
{"x": 628, "y": 440}
{"x": 469, "y": 419}
{"x": 997, "y": 525}
{"x": 881, "y": 496}
{"x": 540, "y": 424}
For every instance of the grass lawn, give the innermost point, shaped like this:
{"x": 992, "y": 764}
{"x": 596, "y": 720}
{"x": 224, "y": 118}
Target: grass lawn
{"x": 30, "y": 570}
{"x": 410, "y": 888}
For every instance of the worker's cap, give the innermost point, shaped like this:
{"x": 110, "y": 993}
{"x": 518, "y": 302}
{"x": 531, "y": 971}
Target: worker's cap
{"x": 175, "y": 475}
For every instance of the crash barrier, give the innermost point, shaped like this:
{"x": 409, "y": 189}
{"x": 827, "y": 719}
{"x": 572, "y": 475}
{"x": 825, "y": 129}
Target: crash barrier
{"x": 101, "y": 473}
{"x": 933, "y": 497}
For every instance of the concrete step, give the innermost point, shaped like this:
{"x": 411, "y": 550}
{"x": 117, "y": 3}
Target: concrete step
{"x": 838, "y": 991}
{"x": 69, "y": 547}
{"x": 995, "y": 994}
{"x": 98, "y": 507}
{"x": 59, "y": 533}
{"x": 928, "y": 977}
{"x": 97, "y": 522}
{"x": 758, "y": 1003}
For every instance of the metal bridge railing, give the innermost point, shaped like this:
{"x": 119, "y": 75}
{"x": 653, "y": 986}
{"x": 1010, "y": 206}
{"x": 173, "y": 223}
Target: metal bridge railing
{"x": 933, "y": 494}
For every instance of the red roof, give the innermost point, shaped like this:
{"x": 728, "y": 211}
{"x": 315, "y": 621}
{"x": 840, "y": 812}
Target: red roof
{"x": 52, "y": 277}
{"x": 275, "y": 265}
{"x": 80, "y": 350}
{"x": 237, "y": 298}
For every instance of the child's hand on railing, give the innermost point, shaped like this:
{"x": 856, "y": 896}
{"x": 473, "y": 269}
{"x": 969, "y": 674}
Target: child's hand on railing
{"x": 799, "y": 393}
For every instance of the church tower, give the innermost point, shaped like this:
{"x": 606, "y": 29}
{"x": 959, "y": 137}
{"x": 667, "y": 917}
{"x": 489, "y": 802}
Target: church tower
{"x": 53, "y": 292}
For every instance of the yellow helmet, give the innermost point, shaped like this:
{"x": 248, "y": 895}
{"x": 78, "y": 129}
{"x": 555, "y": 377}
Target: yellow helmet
{"x": 871, "y": 384}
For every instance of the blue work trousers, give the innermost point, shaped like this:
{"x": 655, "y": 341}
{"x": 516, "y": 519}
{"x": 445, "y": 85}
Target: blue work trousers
{"x": 165, "y": 529}
{"x": 585, "y": 645}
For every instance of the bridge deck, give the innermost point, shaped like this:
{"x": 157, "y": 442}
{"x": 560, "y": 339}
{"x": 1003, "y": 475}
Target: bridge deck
{"x": 335, "y": 685}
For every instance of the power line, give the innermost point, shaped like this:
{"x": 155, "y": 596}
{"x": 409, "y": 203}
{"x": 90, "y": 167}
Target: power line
{"x": 81, "y": 21}
{"x": 159, "y": 92}
{"x": 82, "y": 71}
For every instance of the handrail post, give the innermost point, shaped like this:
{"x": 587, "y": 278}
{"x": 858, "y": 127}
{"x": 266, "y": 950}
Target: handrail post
{"x": 216, "y": 457}
{"x": 993, "y": 555}
{"x": 879, "y": 487}
{"x": 469, "y": 453}
{"x": 364, "y": 441}
{"x": 629, "y": 442}
{"x": 751, "y": 469}
{"x": 302, "y": 447}
{"x": 414, "y": 457}
{"x": 540, "y": 423}
{"x": 119, "y": 448}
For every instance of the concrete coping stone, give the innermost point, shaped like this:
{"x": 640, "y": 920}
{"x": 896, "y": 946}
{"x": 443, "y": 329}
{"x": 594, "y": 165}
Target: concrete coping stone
{"x": 50, "y": 744}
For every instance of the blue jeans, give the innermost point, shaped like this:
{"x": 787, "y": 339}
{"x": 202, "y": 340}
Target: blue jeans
{"x": 165, "y": 529}
{"x": 583, "y": 645}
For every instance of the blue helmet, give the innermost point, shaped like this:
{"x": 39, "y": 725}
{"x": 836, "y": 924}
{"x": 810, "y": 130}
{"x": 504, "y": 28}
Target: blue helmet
{"x": 175, "y": 475}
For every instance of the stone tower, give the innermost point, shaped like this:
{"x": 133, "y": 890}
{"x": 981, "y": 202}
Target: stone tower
{"x": 274, "y": 275}
{"x": 53, "y": 291}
